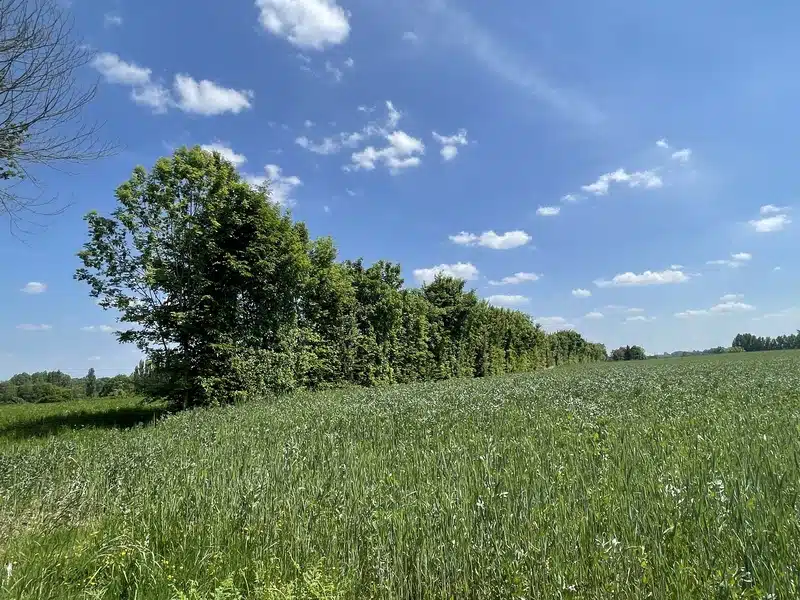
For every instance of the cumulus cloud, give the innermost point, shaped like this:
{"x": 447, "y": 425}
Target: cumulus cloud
{"x": 411, "y": 37}
{"x": 645, "y": 179}
{"x": 207, "y": 98}
{"x": 554, "y": 323}
{"x": 403, "y": 152}
{"x": 771, "y": 209}
{"x": 280, "y": 186}
{"x": 662, "y": 143}
{"x": 314, "y": 24}
{"x": 507, "y": 301}
{"x": 571, "y": 198}
{"x": 195, "y": 97}
{"x": 639, "y": 319}
{"x": 465, "y": 271}
{"x": 34, "y": 287}
{"x": 548, "y": 211}
{"x": 770, "y": 224}
{"x": 646, "y": 278}
{"x": 450, "y": 143}
{"x": 516, "y": 279}
{"x": 226, "y": 152}
{"x": 731, "y": 297}
{"x": 34, "y": 327}
{"x": 581, "y": 293}
{"x": 490, "y": 239}
{"x": 594, "y": 315}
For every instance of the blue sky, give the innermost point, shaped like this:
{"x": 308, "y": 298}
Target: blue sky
{"x": 624, "y": 168}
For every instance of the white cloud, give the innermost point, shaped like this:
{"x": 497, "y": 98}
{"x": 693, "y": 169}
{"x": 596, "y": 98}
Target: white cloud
{"x": 646, "y": 179}
{"x": 771, "y": 209}
{"x": 516, "y": 279}
{"x": 570, "y": 198}
{"x": 682, "y": 155}
{"x": 776, "y": 268}
{"x": 490, "y": 239}
{"x": 731, "y": 297}
{"x": 112, "y": 20}
{"x": 349, "y": 62}
{"x": 676, "y": 267}
{"x": 280, "y": 186}
{"x": 207, "y": 98}
{"x": 639, "y": 319}
{"x": 410, "y": 36}
{"x": 116, "y": 70}
{"x": 736, "y": 260}
{"x": 465, "y": 271}
{"x": 203, "y": 97}
{"x": 305, "y": 23}
{"x": 327, "y": 146}
{"x": 728, "y": 307}
{"x": 770, "y": 224}
{"x": 647, "y": 278}
{"x": 403, "y": 152}
{"x": 635, "y": 310}
{"x": 594, "y": 315}
{"x": 98, "y": 328}
{"x": 450, "y": 143}
{"x": 730, "y": 303}
{"x": 94, "y": 358}
{"x": 554, "y": 323}
{"x": 226, "y": 152}
{"x": 368, "y": 156}
{"x": 581, "y": 293}
{"x": 662, "y": 143}
{"x": 548, "y": 211}
{"x": 34, "y": 287}
{"x": 507, "y": 301}
{"x": 308, "y": 123}
{"x": 32, "y": 327}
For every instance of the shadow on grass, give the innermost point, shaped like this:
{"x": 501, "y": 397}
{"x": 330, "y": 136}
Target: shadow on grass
{"x": 114, "y": 418}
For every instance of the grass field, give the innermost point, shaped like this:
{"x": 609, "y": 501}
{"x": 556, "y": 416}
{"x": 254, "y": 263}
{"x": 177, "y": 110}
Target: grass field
{"x": 664, "y": 479}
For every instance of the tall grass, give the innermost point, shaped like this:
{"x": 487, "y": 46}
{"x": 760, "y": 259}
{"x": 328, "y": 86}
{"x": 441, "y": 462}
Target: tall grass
{"x": 666, "y": 479}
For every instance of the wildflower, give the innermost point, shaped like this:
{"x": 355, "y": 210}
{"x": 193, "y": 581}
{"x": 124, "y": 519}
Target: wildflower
{"x": 9, "y": 568}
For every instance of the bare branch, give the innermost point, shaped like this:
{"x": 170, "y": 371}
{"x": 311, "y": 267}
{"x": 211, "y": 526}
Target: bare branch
{"x": 41, "y": 101}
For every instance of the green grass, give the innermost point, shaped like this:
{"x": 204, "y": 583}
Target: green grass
{"x": 664, "y": 479}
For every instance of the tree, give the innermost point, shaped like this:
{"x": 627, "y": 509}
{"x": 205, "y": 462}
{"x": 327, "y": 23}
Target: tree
{"x": 206, "y": 268}
{"x": 91, "y": 384}
{"x": 40, "y": 102}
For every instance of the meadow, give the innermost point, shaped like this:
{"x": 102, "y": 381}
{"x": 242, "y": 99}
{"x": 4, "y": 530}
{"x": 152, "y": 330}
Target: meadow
{"x": 656, "y": 479}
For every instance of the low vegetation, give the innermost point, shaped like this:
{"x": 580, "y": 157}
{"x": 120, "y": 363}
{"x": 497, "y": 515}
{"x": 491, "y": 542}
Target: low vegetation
{"x": 663, "y": 479}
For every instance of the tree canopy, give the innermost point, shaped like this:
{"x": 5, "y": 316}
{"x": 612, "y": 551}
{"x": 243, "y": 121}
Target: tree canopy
{"x": 229, "y": 297}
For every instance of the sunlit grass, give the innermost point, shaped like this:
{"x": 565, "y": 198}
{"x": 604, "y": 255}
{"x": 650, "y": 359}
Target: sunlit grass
{"x": 664, "y": 479}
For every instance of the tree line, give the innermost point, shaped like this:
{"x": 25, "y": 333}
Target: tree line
{"x": 628, "y": 353}
{"x": 55, "y": 386}
{"x": 752, "y": 343}
{"x": 229, "y": 298}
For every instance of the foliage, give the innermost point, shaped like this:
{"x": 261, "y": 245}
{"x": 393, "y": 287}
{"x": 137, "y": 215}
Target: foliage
{"x": 628, "y": 353}
{"x": 91, "y": 383}
{"x": 231, "y": 299}
{"x": 589, "y": 481}
{"x": 55, "y": 386}
{"x": 751, "y": 343}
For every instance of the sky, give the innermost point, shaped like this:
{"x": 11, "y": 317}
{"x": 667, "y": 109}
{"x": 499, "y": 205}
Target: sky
{"x": 624, "y": 168}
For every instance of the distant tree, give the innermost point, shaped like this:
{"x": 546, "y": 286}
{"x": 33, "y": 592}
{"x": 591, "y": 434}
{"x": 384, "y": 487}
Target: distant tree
{"x": 91, "y": 384}
{"x": 41, "y": 102}
{"x": 635, "y": 353}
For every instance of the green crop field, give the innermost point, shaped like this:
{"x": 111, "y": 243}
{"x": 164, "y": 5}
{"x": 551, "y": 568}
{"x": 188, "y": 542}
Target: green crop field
{"x": 659, "y": 479}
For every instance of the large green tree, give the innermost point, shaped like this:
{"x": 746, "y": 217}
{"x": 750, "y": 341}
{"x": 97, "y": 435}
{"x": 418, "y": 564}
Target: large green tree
{"x": 204, "y": 268}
